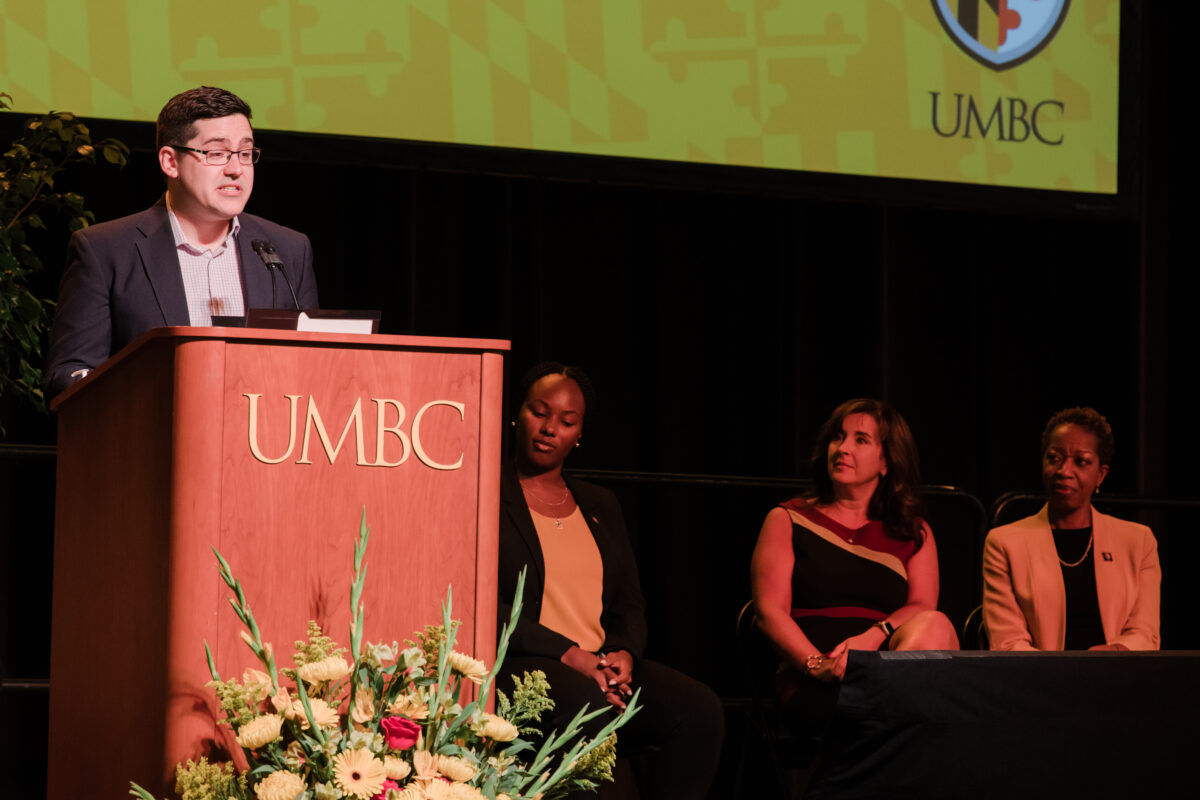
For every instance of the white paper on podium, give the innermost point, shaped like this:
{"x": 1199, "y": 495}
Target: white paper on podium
{"x": 333, "y": 325}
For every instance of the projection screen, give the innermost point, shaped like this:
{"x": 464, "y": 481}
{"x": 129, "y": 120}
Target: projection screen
{"x": 1016, "y": 93}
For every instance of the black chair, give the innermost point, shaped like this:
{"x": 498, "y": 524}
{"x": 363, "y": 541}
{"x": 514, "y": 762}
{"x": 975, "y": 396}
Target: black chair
{"x": 974, "y": 632}
{"x": 793, "y": 756}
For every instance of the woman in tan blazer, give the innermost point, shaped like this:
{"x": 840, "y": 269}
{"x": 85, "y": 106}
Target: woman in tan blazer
{"x": 1069, "y": 577}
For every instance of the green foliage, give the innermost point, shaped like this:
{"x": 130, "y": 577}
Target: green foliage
{"x": 206, "y": 781}
{"x": 429, "y": 642}
{"x": 29, "y": 169}
{"x": 592, "y": 768}
{"x": 529, "y": 701}
{"x": 318, "y": 647}
{"x": 202, "y": 781}
{"x": 237, "y": 701}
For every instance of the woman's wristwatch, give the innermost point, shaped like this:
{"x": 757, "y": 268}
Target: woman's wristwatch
{"x": 886, "y": 627}
{"x": 814, "y": 661}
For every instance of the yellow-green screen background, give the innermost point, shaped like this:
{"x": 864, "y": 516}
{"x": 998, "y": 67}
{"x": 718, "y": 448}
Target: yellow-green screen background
{"x": 837, "y": 86}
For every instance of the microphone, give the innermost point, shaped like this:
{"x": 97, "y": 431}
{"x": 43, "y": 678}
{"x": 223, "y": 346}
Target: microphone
{"x": 274, "y": 263}
{"x": 270, "y": 260}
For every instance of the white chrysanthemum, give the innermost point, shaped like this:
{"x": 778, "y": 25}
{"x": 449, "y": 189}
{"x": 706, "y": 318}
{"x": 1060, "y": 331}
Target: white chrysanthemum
{"x": 436, "y": 790}
{"x": 397, "y": 768}
{"x": 259, "y": 731}
{"x": 497, "y": 728}
{"x": 359, "y": 773}
{"x": 468, "y": 667}
{"x": 323, "y": 714}
{"x": 464, "y": 791}
{"x": 280, "y": 785}
{"x": 329, "y": 668}
{"x": 455, "y": 768}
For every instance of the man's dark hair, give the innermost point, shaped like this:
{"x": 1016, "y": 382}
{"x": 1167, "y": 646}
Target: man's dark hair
{"x": 176, "y": 121}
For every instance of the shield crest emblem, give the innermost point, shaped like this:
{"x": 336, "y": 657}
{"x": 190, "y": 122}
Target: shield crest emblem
{"x": 1001, "y": 33}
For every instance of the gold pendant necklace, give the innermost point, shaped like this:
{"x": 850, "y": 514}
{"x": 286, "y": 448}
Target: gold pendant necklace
{"x": 565, "y": 496}
{"x": 1086, "y": 550}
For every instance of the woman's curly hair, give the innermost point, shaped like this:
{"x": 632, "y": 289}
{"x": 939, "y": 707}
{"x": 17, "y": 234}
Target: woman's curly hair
{"x": 1091, "y": 421}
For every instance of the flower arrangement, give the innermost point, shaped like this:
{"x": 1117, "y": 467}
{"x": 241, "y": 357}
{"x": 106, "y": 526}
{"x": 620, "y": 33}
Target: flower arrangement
{"x": 390, "y": 723}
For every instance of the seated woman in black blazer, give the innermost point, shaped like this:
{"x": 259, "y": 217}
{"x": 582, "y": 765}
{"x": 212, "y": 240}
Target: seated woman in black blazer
{"x": 583, "y": 618}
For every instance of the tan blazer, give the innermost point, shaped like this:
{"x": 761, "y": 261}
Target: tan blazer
{"x": 1024, "y": 602}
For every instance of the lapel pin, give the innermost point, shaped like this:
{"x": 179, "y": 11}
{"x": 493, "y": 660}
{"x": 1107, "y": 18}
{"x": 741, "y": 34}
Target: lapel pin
{"x": 1107, "y": 556}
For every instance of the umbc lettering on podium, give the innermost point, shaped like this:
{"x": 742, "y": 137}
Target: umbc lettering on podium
{"x": 1011, "y": 119}
{"x": 410, "y": 442}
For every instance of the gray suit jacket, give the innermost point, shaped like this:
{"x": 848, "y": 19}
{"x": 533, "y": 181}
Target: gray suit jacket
{"x": 122, "y": 278}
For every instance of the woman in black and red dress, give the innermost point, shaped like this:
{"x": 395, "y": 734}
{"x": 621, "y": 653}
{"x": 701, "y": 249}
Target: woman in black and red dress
{"x": 852, "y": 566}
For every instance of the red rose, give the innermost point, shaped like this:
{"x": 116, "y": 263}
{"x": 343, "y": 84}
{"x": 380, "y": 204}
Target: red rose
{"x": 387, "y": 784}
{"x": 401, "y": 733}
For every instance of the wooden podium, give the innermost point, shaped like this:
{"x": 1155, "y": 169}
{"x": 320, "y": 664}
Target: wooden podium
{"x": 266, "y": 445}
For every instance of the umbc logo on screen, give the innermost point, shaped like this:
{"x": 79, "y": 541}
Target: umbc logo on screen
{"x": 1013, "y": 121}
{"x": 1019, "y": 30}
{"x": 1002, "y": 33}
{"x": 402, "y": 442}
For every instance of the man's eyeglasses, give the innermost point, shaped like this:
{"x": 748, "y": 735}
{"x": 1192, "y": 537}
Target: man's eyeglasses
{"x": 219, "y": 158}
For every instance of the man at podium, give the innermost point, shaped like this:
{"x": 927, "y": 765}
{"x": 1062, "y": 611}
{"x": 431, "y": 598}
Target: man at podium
{"x": 193, "y": 256}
